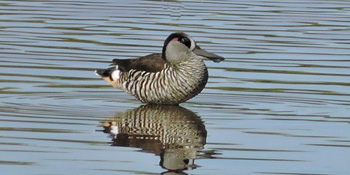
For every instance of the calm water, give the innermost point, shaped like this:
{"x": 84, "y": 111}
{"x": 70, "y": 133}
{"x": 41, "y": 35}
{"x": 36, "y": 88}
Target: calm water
{"x": 279, "y": 103}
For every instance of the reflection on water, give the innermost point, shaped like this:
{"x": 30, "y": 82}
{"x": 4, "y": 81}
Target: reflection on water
{"x": 174, "y": 133}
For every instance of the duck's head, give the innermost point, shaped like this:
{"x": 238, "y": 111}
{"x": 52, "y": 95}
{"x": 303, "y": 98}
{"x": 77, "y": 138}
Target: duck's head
{"x": 179, "y": 46}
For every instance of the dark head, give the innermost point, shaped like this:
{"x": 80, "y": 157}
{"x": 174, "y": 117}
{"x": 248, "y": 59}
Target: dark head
{"x": 178, "y": 45}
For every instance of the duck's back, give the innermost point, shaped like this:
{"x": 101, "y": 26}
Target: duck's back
{"x": 149, "y": 63}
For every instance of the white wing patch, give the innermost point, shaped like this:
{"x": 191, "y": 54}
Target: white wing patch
{"x": 115, "y": 74}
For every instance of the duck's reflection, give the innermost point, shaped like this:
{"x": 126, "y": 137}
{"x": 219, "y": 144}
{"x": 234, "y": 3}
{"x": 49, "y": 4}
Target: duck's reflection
{"x": 174, "y": 133}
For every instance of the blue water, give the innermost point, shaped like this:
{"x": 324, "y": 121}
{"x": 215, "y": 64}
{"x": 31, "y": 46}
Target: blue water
{"x": 278, "y": 104}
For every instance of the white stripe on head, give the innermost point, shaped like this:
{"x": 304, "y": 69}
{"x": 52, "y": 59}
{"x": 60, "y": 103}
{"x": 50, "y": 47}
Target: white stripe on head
{"x": 193, "y": 43}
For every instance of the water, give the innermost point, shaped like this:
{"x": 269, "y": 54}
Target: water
{"x": 279, "y": 103}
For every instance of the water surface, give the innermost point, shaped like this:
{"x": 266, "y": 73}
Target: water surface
{"x": 278, "y": 104}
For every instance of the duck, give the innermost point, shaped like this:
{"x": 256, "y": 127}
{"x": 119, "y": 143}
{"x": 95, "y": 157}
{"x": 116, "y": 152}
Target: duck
{"x": 171, "y": 77}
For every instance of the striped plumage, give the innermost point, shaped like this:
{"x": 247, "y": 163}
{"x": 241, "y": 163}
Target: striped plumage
{"x": 172, "y": 77}
{"x": 172, "y": 85}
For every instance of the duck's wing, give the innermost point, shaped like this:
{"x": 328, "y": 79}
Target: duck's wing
{"x": 150, "y": 63}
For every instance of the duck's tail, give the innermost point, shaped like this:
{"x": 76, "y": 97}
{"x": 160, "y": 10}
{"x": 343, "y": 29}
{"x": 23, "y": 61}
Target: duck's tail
{"x": 111, "y": 75}
{"x": 104, "y": 72}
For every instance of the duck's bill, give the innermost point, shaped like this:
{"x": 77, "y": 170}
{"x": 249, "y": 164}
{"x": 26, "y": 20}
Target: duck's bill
{"x": 209, "y": 55}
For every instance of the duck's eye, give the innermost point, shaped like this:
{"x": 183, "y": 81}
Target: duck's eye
{"x": 186, "y": 41}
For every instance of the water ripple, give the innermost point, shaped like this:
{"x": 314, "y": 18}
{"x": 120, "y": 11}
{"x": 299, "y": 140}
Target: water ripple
{"x": 281, "y": 96}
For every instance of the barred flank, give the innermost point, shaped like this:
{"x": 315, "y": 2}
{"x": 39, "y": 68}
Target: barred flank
{"x": 173, "y": 85}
